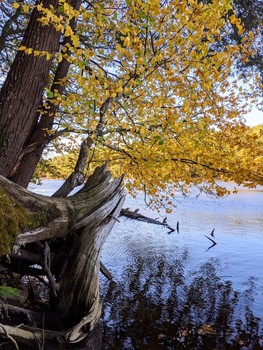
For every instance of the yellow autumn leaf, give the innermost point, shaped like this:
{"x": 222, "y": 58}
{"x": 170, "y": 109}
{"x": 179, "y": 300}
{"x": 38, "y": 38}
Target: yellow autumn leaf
{"x": 28, "y": 51}
{"x": 22, "y": 48}
{"x": 16, "y": 5}
{"x": 39, "y": 7}
{"x": 68, "y": 31}
{"x": 119, "y": 89}
{"x": 26, "y": 8}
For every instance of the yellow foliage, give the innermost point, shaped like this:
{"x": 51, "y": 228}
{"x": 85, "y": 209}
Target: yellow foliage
{"x": 147, "y": 84}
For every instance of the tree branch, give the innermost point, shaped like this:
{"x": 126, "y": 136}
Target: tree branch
{"x": 135, "y": 215}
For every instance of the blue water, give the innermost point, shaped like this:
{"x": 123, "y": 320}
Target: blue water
{"x": 236, "y": 260}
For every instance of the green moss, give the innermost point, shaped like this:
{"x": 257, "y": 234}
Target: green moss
{"x": 42, "y": 215}
{"x": 15, "y": 219}
{"x": 9, "y": 292}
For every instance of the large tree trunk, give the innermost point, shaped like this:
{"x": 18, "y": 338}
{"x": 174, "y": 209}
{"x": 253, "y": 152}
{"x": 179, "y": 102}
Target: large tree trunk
{"x": 68, "y": 247}
{"x": 39, "y": 137}
{"x": 22, "y": 91}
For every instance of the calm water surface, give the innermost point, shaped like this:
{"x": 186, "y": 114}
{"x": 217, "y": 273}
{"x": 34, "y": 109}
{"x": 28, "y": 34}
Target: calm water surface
{"x": 170, "y": 291}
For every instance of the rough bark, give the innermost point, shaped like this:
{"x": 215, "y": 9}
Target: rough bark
{"x": 22, "y": 90}
{"x": 74, "y": 237}
{"x": 39, "y": 137}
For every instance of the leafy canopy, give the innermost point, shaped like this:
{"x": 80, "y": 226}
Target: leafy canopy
{"x": 149, "y": 85}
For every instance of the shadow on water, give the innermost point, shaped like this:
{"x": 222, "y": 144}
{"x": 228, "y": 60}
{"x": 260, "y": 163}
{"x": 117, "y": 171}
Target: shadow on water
{"x": 157, "y": 305}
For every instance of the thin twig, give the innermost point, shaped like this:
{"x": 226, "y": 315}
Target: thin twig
{"x": 46, "y": 268}
{"x": 8, "y": 336}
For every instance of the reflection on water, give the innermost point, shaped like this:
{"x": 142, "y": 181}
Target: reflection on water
{"x": 170, "y": 292}
{"x": 156, "y": 305}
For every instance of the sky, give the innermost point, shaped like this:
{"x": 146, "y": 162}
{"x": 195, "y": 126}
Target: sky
{"x": 254, "y": 117}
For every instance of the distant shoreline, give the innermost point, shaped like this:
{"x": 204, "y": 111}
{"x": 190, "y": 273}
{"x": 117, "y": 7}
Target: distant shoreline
{"x": 230, "y": 185}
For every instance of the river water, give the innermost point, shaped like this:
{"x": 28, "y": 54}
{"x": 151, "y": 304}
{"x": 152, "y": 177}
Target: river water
{"x": 175, "y": 291}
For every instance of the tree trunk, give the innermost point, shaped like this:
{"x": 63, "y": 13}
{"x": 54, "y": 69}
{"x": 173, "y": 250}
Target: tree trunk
{"x": 77, "y": 177}
{"x": 69, "y": 247}
{"x": 39, "y": 138}
{"x": 22, "y": 91}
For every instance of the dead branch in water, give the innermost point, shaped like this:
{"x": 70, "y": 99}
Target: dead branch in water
{"x": 210, "y": 239}
{"x": 136, "y": 216}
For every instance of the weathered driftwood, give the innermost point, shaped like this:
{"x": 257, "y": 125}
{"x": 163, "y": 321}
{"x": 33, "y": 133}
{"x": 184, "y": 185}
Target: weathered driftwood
{"x": 39, "y": 338}
{"x": 68, "y": 249}
{"x": 137, "y": 216}
{"x": 30, "y": 336}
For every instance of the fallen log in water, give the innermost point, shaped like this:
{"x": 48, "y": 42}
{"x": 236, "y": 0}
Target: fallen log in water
{"x": 137, "y": 216}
